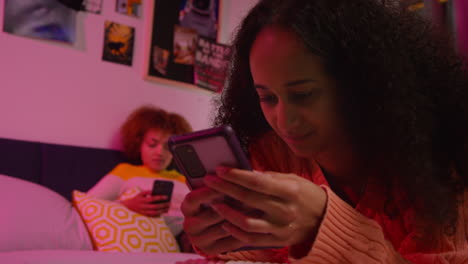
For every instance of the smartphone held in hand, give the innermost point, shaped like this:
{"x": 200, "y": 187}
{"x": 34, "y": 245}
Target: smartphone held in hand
{"x": 199, "y": 153}
{"x": 162, "y": 187}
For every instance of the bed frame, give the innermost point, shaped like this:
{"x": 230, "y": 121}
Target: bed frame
{"x": 62, "y": 168}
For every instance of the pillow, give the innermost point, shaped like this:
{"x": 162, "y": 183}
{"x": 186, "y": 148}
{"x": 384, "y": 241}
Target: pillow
{"x": 114, "y": 227}
{"x": 35, "y": 217}
{"x": 174, "y": 222}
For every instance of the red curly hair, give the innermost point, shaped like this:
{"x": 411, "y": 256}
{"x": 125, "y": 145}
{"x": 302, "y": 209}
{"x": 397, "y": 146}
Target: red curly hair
{"x": 144, "y": 119}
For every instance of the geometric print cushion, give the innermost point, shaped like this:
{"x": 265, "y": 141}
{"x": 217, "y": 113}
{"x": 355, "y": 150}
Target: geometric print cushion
{"x": 115, "y": 228}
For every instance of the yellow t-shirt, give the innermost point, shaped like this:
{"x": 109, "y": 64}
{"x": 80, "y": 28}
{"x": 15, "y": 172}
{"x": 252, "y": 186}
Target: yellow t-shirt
{"x": 126, "y": 177}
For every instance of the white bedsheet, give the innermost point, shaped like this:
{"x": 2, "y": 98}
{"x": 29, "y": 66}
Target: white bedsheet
{"x": 92, "y": 257}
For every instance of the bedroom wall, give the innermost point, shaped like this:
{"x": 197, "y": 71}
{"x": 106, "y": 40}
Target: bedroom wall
{"x": 64, "y": 94}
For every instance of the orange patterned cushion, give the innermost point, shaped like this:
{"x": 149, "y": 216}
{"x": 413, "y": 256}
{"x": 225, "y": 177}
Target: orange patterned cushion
{"x": 113, "y": 227}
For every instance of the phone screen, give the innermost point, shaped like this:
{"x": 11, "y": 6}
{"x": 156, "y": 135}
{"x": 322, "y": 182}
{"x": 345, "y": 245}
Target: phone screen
{"x": 162, "y": 187}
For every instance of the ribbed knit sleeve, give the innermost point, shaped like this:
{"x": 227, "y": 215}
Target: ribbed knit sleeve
{"x": 266, "y": 255}
{"x": 346, "y": 236}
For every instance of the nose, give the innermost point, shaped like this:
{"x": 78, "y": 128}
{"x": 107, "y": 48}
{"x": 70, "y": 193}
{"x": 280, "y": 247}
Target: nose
{"x": 288, "y": 117}
{"x": 159, "y": 149}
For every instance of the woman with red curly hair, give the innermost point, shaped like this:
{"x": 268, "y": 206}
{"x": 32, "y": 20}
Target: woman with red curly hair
{"x": 144, "y": 140}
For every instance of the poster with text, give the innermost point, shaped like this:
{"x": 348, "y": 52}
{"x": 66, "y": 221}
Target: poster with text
{"x": 174, "y": 29}
{"x": 211, "y": 64}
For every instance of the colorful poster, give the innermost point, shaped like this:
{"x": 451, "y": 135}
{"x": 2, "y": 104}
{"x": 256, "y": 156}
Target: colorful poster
{"x": 201, "y": 15}
{"x": 175, "y": 27}
{"x": 118, "y": 43}
{"x": 43, "y": 19}
{"x": 129, "y": 7}
{"x": 211, "y": 64}
{"x": 185, "y": 42}
{"x": 160, "y": 59}
{"x": 92, "y": 6}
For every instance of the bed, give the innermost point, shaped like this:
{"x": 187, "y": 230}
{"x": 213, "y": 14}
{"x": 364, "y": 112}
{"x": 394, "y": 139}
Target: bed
{"x": 39, "y": 222}
{"x": 42, "y": 220}
{"x": 95, "y": 257}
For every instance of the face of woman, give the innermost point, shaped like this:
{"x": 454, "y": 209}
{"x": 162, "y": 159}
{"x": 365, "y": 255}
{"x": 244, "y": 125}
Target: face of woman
{"x": 154, "y": 152}
{"x": 296, "y": 95}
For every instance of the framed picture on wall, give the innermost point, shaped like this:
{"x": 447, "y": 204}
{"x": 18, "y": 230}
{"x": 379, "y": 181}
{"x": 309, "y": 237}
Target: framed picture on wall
{"x": 128, "y": 7}
{"x": 173, "y": 31}
{"x": 118, "y": 43}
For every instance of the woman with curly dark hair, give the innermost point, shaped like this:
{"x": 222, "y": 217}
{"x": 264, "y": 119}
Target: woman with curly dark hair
{"x": 144, "y": 138}
{"x": 354, "y": 113}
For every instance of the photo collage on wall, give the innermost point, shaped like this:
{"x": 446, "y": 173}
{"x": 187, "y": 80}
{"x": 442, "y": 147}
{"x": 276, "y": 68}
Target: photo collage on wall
{"x": 184, "y": 44}
{"x": 184, "y": 35}
{"x": 118, "y": 38}
{"x": 56, "y": 20}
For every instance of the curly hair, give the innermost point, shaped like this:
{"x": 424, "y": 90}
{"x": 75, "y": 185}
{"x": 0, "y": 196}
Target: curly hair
{"x": 402, "y": 93}
{"x": 144, "y": 119}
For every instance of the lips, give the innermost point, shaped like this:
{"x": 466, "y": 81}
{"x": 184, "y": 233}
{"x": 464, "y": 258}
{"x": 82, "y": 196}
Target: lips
{"x": 296, "y": 138}
{"x": 158, "y": 160}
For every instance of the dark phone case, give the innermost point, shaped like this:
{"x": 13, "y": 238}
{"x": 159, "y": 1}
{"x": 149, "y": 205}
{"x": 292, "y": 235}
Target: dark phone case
{"x": 227, "y": 133}
{"x": 162, "y": 187}
{"x": 187, "y": 166}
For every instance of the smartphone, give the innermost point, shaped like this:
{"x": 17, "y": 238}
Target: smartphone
{"x": 162, "y": 187}
{"x": 198, "y": 153}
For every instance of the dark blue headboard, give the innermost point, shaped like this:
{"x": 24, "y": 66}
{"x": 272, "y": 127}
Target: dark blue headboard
{"x": 61, "y": 168}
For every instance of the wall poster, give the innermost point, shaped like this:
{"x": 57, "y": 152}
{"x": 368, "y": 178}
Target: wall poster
{"x": 174, "y": 29}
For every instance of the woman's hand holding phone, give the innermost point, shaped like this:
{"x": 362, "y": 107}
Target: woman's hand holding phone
{"x": 202, "y": 224}
{"x": 146, "y": 204}
{"x": 291, "y": 210}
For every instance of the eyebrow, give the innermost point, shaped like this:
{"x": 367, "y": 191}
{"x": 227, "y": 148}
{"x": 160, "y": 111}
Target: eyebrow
{"x": 292, "y": 83}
